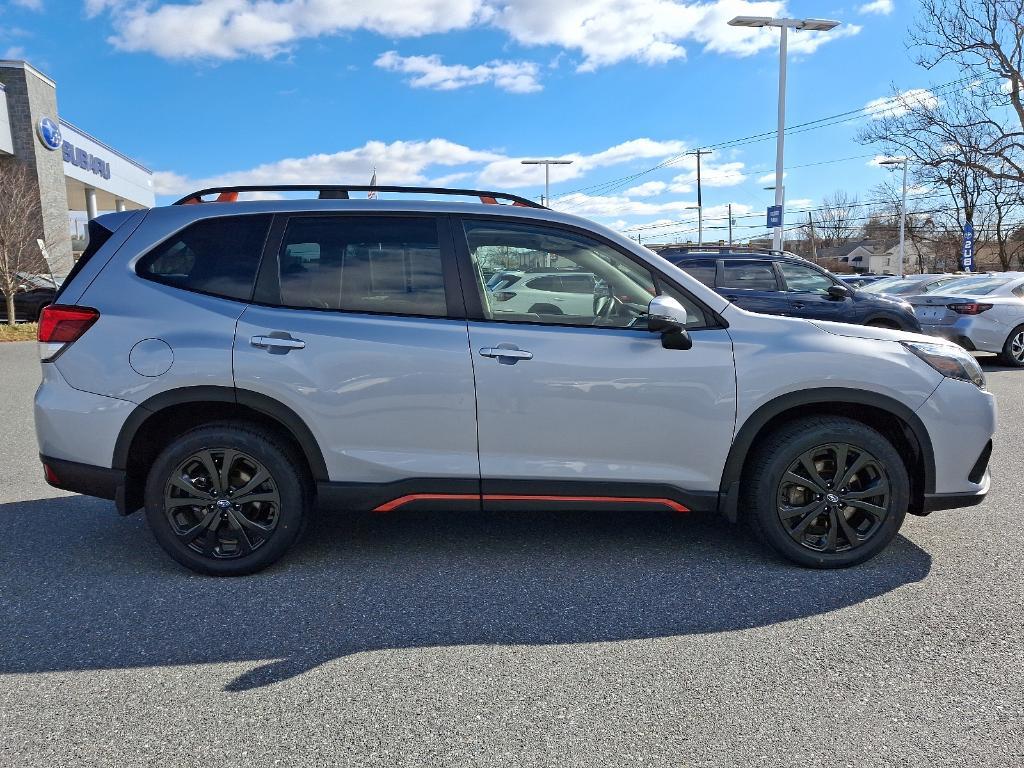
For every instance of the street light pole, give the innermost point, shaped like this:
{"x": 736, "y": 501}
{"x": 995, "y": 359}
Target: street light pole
{"x": 547, "y": 174}
{"x": 784, "y": 25}
{"x": 903, "y": 209}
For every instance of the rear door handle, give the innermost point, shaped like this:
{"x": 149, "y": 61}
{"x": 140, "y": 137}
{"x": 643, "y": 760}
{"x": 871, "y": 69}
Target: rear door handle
{"x": 277, "y": 342}
{"x": 798, "y": 305}
{"x": 503, "y": 354}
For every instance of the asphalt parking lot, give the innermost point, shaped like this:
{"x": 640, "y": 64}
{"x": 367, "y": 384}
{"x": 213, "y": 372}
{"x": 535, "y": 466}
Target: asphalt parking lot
{"x": 506, "y": 640}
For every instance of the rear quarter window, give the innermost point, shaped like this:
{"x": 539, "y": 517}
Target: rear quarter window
{"x": 218, "y": 256}
{"x": 748, "y": 275}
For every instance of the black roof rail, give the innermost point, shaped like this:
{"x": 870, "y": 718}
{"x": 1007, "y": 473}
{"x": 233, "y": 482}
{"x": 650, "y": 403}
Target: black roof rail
{"x": 341, "y": 192}
{"x": 691, "y": 248}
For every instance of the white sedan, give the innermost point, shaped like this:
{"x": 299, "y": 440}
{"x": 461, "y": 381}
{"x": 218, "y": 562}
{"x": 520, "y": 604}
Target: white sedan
{"x": 984, "y": 314}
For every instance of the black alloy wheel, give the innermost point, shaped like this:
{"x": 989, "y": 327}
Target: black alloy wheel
{"x": 834, "y": 498}
{"x": 222, "y": 503}
{"x": 826, "y": 491}
{"x": 227, "y": 499}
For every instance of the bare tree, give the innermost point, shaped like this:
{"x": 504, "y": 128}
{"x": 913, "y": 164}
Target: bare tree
{"x": 20, "y": 229}
{"x": 985, "y": 38}
{"x": 836, "y": 221}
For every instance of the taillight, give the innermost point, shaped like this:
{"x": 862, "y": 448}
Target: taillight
{"x": 60, "y": 326}
{"x": 969, "y": 308}
{"x": 503, "y": 295}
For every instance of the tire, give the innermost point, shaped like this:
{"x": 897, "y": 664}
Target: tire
{"x": 545, "y": 309}
{"x": 1015, "y": 341}
{"x": 882, "y": 324}
{"x": 207, "y": 537}
{"x": 768, "y": 496}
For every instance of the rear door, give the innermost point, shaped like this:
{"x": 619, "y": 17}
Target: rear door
{"x": 752, "y": 284}
{"x": 359, "y": 328}
{"x": 590, "y": 408}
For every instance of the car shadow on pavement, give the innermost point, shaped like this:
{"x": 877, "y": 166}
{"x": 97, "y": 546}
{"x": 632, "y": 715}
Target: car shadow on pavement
{"x": 82, "y": 588}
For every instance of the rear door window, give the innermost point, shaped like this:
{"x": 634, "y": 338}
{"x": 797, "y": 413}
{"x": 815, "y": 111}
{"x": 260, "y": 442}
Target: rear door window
{"x": 704, "y": 270}
{"x": 748, "y": 275}
{"x": 218, "y": 256}
{"x": 378, "y": 264}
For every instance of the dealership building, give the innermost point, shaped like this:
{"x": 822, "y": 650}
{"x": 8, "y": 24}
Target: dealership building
{"x": 73, "y": 171}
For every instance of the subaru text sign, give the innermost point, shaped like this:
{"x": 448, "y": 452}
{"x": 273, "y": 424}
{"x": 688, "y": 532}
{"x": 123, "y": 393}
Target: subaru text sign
{"x": 774, "y": 216}
{"x": 49, "y": 133}
{"x": 967, "y": 258}
{"x": 85, "y": 161}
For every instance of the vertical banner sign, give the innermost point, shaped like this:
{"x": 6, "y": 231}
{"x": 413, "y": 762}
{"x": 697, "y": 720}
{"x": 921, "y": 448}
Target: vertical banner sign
{"x": 967, "y": 258}
{"x": 774, "y": 216}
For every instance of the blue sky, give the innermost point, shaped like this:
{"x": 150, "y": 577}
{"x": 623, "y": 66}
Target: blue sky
{"x": 458, "y": 91}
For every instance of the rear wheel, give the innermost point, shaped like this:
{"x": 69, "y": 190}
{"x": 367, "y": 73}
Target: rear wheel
{"x": 225, "y": 500}
{"x": 826, "y": 492}
{"x": 1013, "y": 348}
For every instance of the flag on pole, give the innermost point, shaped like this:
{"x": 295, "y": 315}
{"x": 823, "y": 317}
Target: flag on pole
{"x": 372, "y": 194}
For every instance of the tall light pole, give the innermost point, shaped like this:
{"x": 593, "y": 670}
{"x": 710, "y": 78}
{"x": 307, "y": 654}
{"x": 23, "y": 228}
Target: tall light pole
{"x": 547, "y": 174}
{"x": 784, "y": 25}
{"x": 699, "y": 153}
{"x": 903, "y": 207}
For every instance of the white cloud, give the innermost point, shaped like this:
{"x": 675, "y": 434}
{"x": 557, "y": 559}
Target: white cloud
{"x": 431, "y": 72}
{"x": 602, "y": 32}
{"x": 647, "y": 189}
{"x": 616, "y": 205}
{"x": 711, "y": 175}
{"x": 14, "y": 52}
{"x": 510, "y": 173}
{"x": 32, "y": 5}
{"x": 400, "y": 162}
{"x": 901, "y": 104}
{"x": 799, "y": 203}
{"x": 882, "y": 7}
{"x": 769, "y": 178}
{"x": 437, "y": 162}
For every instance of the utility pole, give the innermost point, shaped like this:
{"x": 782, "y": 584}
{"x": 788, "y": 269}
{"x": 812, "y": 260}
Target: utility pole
{"x": 547, "y": 175}
{"x": 698, "y": 153}
{"x": 730, "y": 224}
{"x": 810, "y": 229}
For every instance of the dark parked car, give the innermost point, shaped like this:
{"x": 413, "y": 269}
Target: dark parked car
{"x": 776, "y": 283}
{"x": 861, "y": 280}
{"x": 34, "y": 293}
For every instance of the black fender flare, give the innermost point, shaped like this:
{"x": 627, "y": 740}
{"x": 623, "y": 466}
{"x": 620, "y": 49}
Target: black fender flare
{"x": 263, "y": 404}
{"x": 755, "y": 423}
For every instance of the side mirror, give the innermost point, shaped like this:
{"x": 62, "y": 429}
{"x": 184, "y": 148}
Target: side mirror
{"x": 838, "y": 292}
{"x": 668, "y": 317}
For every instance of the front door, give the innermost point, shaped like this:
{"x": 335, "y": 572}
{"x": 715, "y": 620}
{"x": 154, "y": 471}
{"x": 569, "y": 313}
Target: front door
{"x": 807, "y": 291}
{"x": 358, "y": 331}
{"x": 590, "y": 408}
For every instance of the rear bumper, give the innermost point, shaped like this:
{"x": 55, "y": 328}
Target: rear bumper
{"x": 976, "y": 333}
{"x": 102, "y": 482}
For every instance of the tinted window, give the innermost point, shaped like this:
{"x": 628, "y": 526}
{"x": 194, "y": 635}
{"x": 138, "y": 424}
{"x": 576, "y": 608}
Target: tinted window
{"x": 751, "y": 275}
{"x": 363, "y": 264}
{"x": 804, "y": 279}
{"x": 703, "y": 270}
{"x": 218, "y": 256}
{"x": 599, "y": 286}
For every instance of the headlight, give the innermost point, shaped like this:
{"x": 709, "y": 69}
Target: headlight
{"x": 949, "y": 360}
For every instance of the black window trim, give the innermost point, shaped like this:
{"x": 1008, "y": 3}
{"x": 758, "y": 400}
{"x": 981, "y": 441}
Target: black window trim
{"x": 259, "y": 262}
{"x": 268, "y": 290}
{"x": 474, "y": 301}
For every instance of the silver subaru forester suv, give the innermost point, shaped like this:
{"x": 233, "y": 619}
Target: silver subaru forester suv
{"x": 232, "y": 366}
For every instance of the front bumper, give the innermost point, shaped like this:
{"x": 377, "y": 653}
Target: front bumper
{"x": 961, "y": 420}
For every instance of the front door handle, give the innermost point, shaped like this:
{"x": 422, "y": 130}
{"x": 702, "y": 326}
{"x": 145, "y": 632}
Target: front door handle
{"x": 275, "y": 343}
{"x": 798, "y": 305}
{"x": 506, "y": 355}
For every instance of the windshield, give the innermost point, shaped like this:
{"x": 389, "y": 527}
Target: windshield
{"x": 889, "y": 285}
{"x": 975, "y": 286}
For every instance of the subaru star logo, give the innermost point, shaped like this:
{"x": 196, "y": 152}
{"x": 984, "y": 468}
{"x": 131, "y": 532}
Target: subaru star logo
{"x": 49, "y": 133}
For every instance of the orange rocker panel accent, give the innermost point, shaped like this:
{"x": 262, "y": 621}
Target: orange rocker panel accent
{"x": 401, "y": 501}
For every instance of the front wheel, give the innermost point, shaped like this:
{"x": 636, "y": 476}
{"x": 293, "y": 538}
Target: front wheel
{"x": 826, "y": 492}
{"x": 225, "y": 500}
{"x": 1013, "y": 348}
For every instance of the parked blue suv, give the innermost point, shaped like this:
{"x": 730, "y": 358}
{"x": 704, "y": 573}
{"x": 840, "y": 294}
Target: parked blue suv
{"x": 777, "y": 283}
